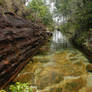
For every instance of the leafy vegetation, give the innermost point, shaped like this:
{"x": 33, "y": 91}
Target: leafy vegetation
{"x": 19, "y": 87}
{"x": 39, "y": 11}
{"x": 36, "y": 10}
{"x": 77, "y": 12}
{"x": 2, "y": 91}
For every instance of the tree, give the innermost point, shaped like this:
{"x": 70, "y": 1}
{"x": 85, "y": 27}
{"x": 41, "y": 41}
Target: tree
{"x": 78, "y": 12}
{"x": 84, "y": 15}
{"x": 38, "y": 10}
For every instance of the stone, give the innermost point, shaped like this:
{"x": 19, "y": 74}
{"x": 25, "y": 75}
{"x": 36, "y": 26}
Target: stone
{"x": 89, "y": 67}
{"x": 48, "y": 77}
{"x": 20, "y": 39}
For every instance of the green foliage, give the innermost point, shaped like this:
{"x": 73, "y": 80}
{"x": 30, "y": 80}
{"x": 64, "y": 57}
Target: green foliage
{"x": 38, "y": 10}
{"x": 1, "y": 2}
{"x": 81, "y": 38}
{"x": 19, "y": 87}
{"x": 84, "y": 16}
{"x": 63, "y": 7}
{"x": 65, "y": 26}
{"x": 2, "y": 91}
{"x": 78, "y": 12}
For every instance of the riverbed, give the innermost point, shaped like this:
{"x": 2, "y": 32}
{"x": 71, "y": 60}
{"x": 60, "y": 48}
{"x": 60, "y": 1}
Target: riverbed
{"x": 61, "y": 69}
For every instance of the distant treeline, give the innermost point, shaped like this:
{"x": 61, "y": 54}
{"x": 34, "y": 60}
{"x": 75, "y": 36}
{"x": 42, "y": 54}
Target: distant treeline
{"x": 76, "y": 12}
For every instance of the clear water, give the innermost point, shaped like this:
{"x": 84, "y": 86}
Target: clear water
{"x": 67, "y": 66}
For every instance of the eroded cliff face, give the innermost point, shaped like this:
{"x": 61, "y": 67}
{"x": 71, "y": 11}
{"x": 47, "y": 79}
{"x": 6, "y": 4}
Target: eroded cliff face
{"x": 16, "y": 6}
{"x": 20, "y": 39}
{"x": 83, "y": 41}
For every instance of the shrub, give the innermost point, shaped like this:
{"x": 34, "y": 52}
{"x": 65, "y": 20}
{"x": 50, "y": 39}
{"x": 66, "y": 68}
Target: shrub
{"x": 19, "y": 87}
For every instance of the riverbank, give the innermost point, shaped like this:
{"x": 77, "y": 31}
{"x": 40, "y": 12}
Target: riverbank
{"x": 83, "y": 41}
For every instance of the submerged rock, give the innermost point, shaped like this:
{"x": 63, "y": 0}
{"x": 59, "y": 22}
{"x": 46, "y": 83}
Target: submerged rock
{"x": 59, "y": 74}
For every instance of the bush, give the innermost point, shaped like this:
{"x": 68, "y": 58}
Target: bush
{"x": 19, "y": 87}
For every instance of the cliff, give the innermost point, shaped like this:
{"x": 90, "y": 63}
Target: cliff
{"x": 20, "y": 39}
{"x": 83, "y": 41}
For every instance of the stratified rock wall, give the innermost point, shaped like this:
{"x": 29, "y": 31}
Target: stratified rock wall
{"x": 83, "y": 41}
{"x": 19, "y": 41}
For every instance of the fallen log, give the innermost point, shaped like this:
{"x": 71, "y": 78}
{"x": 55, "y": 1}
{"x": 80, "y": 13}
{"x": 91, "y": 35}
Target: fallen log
{"x": 20, "y": 39}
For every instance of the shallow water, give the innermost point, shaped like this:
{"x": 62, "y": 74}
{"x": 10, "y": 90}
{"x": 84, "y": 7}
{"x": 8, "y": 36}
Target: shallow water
{"x": 61, "y": 69}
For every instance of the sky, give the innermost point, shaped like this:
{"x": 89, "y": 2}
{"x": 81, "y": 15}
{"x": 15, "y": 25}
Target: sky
{"x": 28, "y": 2}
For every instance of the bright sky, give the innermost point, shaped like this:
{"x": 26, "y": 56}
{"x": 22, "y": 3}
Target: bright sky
{"x": 28, "y": 2}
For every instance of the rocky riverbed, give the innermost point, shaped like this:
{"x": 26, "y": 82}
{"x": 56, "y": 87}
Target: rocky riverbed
{"x": 61, "y": 71}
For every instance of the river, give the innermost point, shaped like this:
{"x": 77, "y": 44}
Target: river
{"x": 61, "y": 69}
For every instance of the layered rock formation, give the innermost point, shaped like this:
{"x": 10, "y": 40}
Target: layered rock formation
{"x": 19, "y": 41}
{"x": 16, "y": 6}
{"x": 83, "y": 41}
